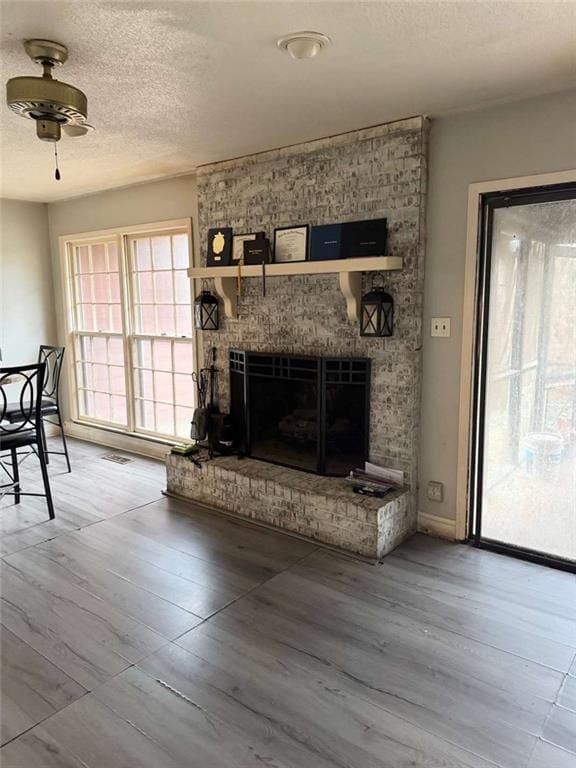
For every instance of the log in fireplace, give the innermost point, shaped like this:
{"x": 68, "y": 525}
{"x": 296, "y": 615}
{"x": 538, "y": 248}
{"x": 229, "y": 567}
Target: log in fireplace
{"x": 309, "y": 413}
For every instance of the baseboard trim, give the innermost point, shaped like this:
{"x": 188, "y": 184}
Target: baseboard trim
{"x": 51, "y": 430}
{"x": 434, "y": 525}
{"x": 130, "y": 443}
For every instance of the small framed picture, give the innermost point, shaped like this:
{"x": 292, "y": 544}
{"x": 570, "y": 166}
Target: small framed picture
{"x": 219, "y": 247}
{"x": 291, "y": 243}
{"x": 238, "y": 245}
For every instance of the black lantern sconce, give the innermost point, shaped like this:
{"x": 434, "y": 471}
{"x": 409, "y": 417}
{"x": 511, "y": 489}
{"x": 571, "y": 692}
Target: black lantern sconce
{"x": 206, "y": 311}
{"x": 377, "y": 311}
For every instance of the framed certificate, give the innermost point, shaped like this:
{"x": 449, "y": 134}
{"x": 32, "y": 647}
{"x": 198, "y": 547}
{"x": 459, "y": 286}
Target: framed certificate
{"x": 291, "y": 243}
{"x": 238, "y": 245}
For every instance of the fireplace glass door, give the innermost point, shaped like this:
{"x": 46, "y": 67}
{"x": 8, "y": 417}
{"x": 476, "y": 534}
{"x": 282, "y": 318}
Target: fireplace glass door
{"x": 285, "y": 410}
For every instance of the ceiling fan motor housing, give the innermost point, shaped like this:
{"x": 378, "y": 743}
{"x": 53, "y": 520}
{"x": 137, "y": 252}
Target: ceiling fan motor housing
{"x": 51, "y": 103}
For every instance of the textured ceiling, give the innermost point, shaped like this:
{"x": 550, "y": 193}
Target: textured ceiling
{"x": 176, "y": 84}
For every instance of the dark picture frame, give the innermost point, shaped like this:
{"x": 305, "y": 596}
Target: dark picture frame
{"x": 291, "y": 243}
{"x": 238, "y": 245}
{"x": 219, "y": 247}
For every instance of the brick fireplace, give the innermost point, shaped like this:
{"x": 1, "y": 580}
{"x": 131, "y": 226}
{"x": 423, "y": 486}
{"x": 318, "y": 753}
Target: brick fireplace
{"x": 378, "y": 172}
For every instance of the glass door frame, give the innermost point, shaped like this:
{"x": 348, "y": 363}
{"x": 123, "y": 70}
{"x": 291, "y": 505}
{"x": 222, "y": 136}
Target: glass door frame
{"x": 489, "y": 202}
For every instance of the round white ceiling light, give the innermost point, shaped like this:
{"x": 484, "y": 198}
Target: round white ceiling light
{"x": 304, "y": 45}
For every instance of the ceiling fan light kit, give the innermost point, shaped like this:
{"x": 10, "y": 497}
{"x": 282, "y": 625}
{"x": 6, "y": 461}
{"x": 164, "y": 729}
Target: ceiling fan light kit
{"x": 52, "y": 104}
{"x": 304, "y": 45}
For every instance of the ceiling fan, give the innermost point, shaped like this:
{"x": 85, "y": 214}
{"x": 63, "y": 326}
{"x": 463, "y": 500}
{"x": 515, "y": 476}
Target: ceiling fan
{"x": 54, "y": 106}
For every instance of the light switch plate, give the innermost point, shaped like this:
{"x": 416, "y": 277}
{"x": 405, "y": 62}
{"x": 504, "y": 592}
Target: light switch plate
{"x": 440, "y": 327}
{"x": 435, "y": 491}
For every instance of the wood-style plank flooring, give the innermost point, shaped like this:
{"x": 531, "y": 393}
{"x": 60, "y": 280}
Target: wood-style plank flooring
{"x": 141, "y": 633}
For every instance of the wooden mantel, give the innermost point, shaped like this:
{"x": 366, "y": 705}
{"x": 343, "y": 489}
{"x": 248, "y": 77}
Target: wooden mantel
{"x": 348, "y": 270}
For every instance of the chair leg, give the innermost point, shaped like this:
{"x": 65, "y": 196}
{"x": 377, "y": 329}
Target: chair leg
{"x": 46, "y": 481}
{"x": 44, "y": 445}
{"x": 16, "y": 474}
{"x": 64, "y": 440}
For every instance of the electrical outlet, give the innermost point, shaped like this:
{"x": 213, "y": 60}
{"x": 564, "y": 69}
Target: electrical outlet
{"x": 435, "y": 491}
{"x": 440, "y": 327}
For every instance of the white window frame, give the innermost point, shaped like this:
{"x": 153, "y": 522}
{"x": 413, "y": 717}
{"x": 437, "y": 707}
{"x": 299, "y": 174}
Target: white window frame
{"x": 79, "y": 425}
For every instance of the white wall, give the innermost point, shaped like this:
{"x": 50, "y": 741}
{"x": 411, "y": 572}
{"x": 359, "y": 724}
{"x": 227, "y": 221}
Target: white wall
{"x": 27, "y": 315}
{"x": 174, "y": 198}
{"x": 518, "y": 139}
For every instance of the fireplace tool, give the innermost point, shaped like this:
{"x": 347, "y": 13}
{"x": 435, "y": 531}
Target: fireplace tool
{"x": 209, "y": 426}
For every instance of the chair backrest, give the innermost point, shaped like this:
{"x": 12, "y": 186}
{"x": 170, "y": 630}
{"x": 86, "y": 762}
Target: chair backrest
{"x": 30, "y": 379}
{"x": 53, "y": 357}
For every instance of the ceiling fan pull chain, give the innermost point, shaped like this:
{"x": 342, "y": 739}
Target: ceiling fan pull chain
{"x": 57, "y": 171}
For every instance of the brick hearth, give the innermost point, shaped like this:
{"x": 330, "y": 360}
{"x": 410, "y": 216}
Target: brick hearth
{"x": 321, "y": 508}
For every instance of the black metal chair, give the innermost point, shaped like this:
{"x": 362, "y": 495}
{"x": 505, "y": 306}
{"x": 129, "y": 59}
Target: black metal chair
{"x": 53, "y": 357}
{"x": 26, "y": 430}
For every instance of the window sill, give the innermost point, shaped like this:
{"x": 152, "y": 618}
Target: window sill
{"x": 144, "y": 445}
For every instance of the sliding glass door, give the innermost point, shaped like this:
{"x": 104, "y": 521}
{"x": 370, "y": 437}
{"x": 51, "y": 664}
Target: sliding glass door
{"x": 524, "y": 473}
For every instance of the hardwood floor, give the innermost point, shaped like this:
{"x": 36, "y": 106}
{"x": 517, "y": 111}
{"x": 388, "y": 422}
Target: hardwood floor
{"x": 139, "y": 633}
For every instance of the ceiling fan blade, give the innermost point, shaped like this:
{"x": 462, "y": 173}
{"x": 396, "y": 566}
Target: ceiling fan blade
{"x": 75, "y": 130}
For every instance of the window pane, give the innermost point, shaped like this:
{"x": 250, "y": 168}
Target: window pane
{"x": 183, "y": 419}
{"x": 164, "y": 419}
{"x": 117, "y": 380}
{"x": 84, "y": 289}
{"x": 101, "y": 379}
{"x": 143, "y": 353}
{"x": 161, "y": 252}
{"x": 164, "y": 291}
{"x": 184, "y": 389}
{"x": 102, "y": 316}
{"x": 182, "y": 288}
{"x": 183, "y": 358}
{"x": 145, "y": 415}
{"x": 99, "y": 258}
{"x": 163, "y": 355}
{"x": 144, "y": 288}
{"x": 118, "y": 409}
{"x": 96, "y": 287}
{"x": 141, "y": 250}
{"x": 85, "y": 317}
{"x": 102, "y": 408}
{"x": 112, "y": 257}
{"x": 100, "y": 283}
{"x": 85, "y": 348}
{"x": 144, "y": 384}
{"x": 82, "y": 259}
{"x": 180, "y": 249}
{"x": 99, "y": 350}
{"x": 183, "y": 321}
{"x": 84, "y": 375}
{"x": 163, "y": 386}
{"x": 86, "y": 404}
{"x": 115, "y": 351}
{"x": 100, "y": 373}
{"x": 114, "y": 288}
{"x": 116, "y": 318}
{"x": 165, "y": 315}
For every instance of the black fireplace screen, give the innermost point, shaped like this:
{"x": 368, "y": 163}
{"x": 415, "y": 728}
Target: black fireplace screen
{"x": 310, "y": 413}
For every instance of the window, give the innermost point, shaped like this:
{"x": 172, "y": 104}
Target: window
{"x": 130, "y": 317}
{"x": 161, "y": 343}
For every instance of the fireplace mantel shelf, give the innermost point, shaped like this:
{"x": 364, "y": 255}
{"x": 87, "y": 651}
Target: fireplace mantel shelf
{"x": 349, "y": 271}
